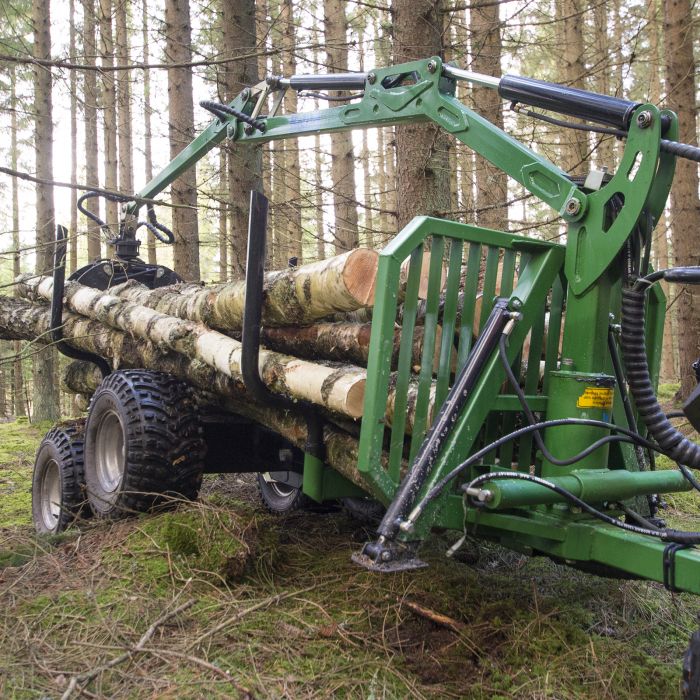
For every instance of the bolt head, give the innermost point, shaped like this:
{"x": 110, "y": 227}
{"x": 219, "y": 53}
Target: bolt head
{"x": 644, "y": 119}
{"x": 572, "y": 207}
{"x": 372, "y": 78}
{"x": 386, "y": 556}
{"x": 245, "y": 94}
{"x": 432, "y": 66}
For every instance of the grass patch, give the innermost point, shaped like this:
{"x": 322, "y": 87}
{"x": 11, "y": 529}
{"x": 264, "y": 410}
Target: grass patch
{"x": 279, "y": 610}
{"x": 18, "y": 444}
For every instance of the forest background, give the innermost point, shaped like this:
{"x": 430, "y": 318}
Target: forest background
{"x": 102, "y": 93}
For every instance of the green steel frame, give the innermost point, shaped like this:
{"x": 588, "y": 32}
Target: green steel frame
{"x": 558, "y": 355}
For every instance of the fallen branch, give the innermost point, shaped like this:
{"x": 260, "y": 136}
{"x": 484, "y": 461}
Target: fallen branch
{"x": 436, "y": 617}
{"x": 88, "y": 676}
{"x": 265, "y": 603}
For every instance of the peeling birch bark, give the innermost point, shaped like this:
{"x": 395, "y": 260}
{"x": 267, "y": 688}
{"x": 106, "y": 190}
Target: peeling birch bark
{"x": 342, "y": 342}
{"x": 83, "y": 378}
{"x": 296, "y": 296}
{"x": 339, "y": 389}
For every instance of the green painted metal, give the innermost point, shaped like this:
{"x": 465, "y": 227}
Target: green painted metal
{"x": 577, "y": 395}
{"x": 539, "y": 279}
{"x": 591, "y": 485}
{"x": 321, "y": 483}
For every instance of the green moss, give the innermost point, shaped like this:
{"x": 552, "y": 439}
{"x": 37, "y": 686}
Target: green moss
{"x": 18, "y": 444}
{"x": 667, "y": 392}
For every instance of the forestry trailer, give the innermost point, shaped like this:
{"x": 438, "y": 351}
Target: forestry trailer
{"x": 530, "y": 419}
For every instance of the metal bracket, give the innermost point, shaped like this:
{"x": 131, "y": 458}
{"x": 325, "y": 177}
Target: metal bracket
{"x": 59, "y": 276}
{"x": 252, "y": 318}
{"x": 385, "y": 556}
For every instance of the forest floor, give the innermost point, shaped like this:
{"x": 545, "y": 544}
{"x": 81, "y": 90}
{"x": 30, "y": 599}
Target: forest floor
{"x": 220, "y": 599}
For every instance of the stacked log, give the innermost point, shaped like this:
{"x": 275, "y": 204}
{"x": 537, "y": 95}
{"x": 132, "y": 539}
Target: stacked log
{"x": 133, "y": 326}
{"x": 193, "y": 332}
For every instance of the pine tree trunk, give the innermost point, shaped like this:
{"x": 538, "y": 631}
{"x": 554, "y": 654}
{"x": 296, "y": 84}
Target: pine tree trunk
{"x": 20, "y": 405}
{"x": 223, "y": 216}
{"x": 292, "y": 179}
{"x": 491, "y": 182}
{"x": 178, "y": 38}
{"x": 72, "y": 262}
{"x": 147, "y": 133}
{"x": 342, "y": 157}
{"x": 244, "y": 162}
{"x": 603, "y": 57}
{"x": 46, "y": 406}
{"x": 421, "y": 149}
{"x": 685, "y": 204}
{"x": 660, "y": 240}
{"x": 126, "y": 166}
{"x": 109, "y": 107}
{"x": 90, "y": 100}
{"x": 574, "y": 144}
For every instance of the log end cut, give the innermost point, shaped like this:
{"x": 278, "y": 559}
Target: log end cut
{"x": 360, "y": 275}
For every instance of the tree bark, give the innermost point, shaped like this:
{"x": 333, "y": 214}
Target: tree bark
{"x": 291, "y": 297}
{"x": 491, "y": 182}
{"x": 147, "y": 132}
{"x": 126, "y": 161}
{"x": 338, "y": 389}
{"x": 342, "y": 158}
{"x": 178, "y": 39}
{"x": 72, "y": 262}
{"x": 46, "y": 407}
{"x": 109, "y": 107}
{"x": 422, "y": 149}
{"x": 292, "y": 179}
{"x": 574, "y": 144}
{"x": 20, "y": 407}
{"x": 342, "y": 342}
{"x": 244, "y": 162}
{"x": 223, "y": 215}
{"x": 90, "y": 100}
{"x": 685, "y": 204}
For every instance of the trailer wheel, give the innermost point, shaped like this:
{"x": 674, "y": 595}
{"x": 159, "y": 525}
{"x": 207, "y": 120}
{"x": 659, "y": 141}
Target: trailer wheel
{"x": 690, "y": 685}
{"x": 279, "y": 497}
{"x": 365, "y": 510}
{"x": 58, "y": 480}
{"x": 143, "y": 443}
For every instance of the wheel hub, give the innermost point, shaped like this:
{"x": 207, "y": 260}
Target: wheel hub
{"x": 109, "y": 452}
{"x": 50, "y": 494}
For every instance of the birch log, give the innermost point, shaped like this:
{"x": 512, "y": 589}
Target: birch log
{"x": 290, "y": 297}
{"x": 343, "y": 342}
{"x": 341, "y": 449}
{"x": 339, "y": 389}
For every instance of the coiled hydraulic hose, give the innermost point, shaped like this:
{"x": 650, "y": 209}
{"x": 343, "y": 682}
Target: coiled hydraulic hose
{"x": 633, "y": 342}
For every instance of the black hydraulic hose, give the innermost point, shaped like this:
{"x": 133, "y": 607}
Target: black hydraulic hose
{"x": 665, "y": 534}
{"x": 526, "y": 430}
{"x": 533, "y": 421}
{"x": 220, "y": 111}
{"x": 633, "y": 341}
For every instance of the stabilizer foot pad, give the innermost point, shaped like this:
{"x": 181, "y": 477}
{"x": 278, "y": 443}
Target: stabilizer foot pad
{"x": 388, "y": 567}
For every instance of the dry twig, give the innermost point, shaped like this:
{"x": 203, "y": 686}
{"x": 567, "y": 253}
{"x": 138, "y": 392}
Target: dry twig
{"x": 93, "y": 673}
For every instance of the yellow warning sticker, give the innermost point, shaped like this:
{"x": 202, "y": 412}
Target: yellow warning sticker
{"x": 595, "y": 397}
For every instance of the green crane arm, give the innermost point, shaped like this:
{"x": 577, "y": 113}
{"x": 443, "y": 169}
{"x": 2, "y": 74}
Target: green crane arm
{"x": 424, "y": 91}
